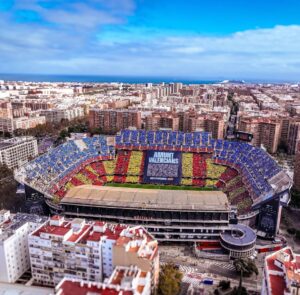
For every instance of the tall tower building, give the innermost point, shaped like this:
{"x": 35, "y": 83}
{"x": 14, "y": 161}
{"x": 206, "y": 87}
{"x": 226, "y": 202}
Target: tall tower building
{"x": 293, "y": 137}
{"x": 297, "y": 169}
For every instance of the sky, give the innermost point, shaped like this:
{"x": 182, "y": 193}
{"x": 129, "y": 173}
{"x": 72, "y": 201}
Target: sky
{"x": 220, "y": 39}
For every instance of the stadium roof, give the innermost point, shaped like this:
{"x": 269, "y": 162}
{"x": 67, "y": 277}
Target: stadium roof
{"x": 147, "y": 198}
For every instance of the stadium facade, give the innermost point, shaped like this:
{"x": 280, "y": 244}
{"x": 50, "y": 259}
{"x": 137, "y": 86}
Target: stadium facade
{"x": 240, "y": 184}
{"x": 170, "y": 215}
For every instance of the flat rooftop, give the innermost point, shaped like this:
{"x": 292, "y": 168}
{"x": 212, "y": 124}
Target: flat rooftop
{"x": 7, "y": 143}
{"x": 105, "y": 196}
{"x": 246, "y": 235}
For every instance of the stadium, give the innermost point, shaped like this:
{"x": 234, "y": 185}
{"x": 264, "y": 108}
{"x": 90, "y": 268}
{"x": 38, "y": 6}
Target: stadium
{"x": 180, "y": 186}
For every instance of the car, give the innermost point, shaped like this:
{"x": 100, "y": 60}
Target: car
{"x": 276, "y": 241}
{"x": 208, "y": 281}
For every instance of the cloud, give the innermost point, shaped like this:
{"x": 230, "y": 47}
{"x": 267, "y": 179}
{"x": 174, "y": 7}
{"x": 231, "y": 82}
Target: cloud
{"x": 93, "y": 37}
{"x": 187, "y": 49}
{"x": 79, "y": 14}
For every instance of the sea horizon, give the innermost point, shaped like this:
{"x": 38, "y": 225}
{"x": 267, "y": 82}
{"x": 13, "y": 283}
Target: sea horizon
{"x": 75, "y": 78}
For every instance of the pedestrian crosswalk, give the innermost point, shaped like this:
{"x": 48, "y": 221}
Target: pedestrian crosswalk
{"x": 227, "y": 266}
{"x": 194, "y": 279}
{"x": 190, "y": 281}
{"x": 186, "y": 269}
{"x": 215, "y": 265}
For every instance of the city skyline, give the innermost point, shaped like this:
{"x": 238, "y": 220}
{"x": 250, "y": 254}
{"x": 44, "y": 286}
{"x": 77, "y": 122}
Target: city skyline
{"x": 152, "y": 39}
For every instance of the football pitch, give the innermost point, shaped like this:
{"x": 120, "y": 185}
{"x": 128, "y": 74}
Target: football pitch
{"x": 162, "y": 187}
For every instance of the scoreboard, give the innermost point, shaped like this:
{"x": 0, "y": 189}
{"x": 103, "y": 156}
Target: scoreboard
{"x": 243, "y": 136}
{"x": 267, "y": 219}
{"x": 162, "y": 167}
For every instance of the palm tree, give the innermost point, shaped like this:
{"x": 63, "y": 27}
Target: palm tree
{"x": 240, "y": 267}
{"x": 245, "y": 267}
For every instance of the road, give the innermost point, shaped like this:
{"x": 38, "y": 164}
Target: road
{"x": 195, "y": 276}
{"x": 192, "y": 267}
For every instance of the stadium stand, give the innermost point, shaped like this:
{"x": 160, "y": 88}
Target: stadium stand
{"x": 199, "y": 166}
{"x": 187, "y": 163}
{"x": 247, "y": 174}
{"x": 135, "y": 163}
{"x": 122, "y": 163}
{"x": 52, "y": 170}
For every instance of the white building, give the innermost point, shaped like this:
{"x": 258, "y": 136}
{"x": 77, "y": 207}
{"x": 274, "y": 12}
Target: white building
{"x": 28, "y": 122}
{"x": 89, "y": 251}
{"x": 281, "y": 273}
{"x": 11, "y": 124}
{"x": 123, "y": 280}
{"x": 17, "y": 151}
{"x": 57, "y": 115}
{"x": 14, "y": 255}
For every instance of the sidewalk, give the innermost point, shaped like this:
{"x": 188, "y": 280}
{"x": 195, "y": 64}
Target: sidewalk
{"x": 18, "y": 289}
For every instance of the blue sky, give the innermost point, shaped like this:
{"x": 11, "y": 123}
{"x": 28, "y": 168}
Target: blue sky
{"x": 189, "y": 39}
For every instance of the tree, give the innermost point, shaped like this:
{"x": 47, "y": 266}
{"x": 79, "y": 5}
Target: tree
{"x": 298, "y": 234}
{"x": 239, "y": 291}
{"x": 245, "y": 267}
{"x": 169, "y": 280}
{"x": 291, "y": 231}
{"x": 224, "y": 285}
{"x": 295, "y": 198}
{"x": 8, "y": 186}
{"x": 63, "y": 134}
{"x": 5, "y": 171}
{"x": 94, "y": 131}
{"x": 7, "y": 134}
{"x": 282, "y": 147}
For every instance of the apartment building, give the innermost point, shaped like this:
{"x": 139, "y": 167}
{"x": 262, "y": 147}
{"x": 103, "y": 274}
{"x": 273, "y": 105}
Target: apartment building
{"x": 14, "y": 116}
{"x": 195, "y": 123}
{"x": 177, "y": 87}
{"x": 7, "y": 125}
{"x": 159, "y": 120}
{"x": 269, "y": 134}
{"x": 266, "y": 131}
{"x": 187, "y": 122}
{"x": 293, "y": 137}
{"x": 14, "y": 254}
{"x": 58, "y": 115}
{"x": 184, "y": 120}
{"x": 82, "y": 250}
{"x": 281, "y": 273}
{"x": 11, "y": 124}
{"x": 297, "y": 169}
{"x": 140, "y": 250}
{"x": 213, "y": 123}
{"x": 123, "y": 280}
{"x": 38, "y": 104}
{"x": 112, "y": 121}
{"x": 216, "y": 125}
{"x": 285, "y": 126}
{"x": 28, "y": 105}
{"x": 16, "y": 151}
{"x": 6, "y": 110}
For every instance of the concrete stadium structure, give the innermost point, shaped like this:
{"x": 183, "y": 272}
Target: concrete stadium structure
{"x": 167, "y": 214}
{"x": 255, "y": 186}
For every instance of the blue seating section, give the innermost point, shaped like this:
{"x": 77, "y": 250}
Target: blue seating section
{"x": 164, "y": 138}
{"x": 254, "y": 164}
{"x": 62, "y": 160}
